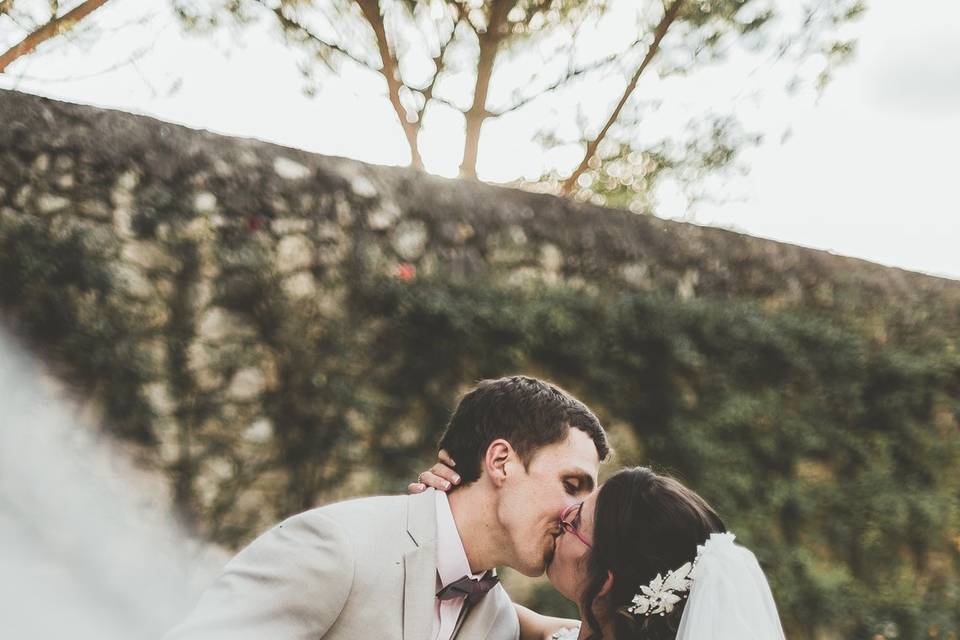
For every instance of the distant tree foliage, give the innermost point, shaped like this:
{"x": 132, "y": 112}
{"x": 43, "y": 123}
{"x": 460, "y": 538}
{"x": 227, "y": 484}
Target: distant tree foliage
{"x": 484, "y": 60}
{"x": 488, "y": 59}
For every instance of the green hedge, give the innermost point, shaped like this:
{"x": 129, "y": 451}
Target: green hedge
{"x": 836, "y": 459}
{"x": 57, "y": 291}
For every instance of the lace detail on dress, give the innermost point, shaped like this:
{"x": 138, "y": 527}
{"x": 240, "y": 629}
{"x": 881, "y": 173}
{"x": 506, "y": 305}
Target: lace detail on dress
{"x": 569, "y": 633}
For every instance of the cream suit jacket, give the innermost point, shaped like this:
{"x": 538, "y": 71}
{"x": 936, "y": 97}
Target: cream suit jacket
{"x": 362, "y": 569}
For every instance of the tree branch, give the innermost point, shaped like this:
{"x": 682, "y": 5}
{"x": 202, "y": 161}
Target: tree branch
{"x": 51, "y": 29}
{"x": 292, "y": 24}
{"x": 668, "y": 18}
{"x": 438, "y": 63}
{"x": 391, "y": 72}
{"x": 463, "y": 13}
{"x": 570, "y": 75}
{"x": 449, "y": 103}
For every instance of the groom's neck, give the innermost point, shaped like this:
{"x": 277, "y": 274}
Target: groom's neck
{"x": 474, "y": 512}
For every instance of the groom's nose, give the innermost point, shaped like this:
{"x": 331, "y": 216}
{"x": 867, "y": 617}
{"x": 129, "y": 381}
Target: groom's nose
{"x": 568, "y": 501}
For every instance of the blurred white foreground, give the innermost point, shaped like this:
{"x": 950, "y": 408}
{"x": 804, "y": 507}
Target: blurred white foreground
{"x": 88, "y": 544}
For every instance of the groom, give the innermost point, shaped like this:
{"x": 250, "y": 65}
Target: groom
{"x": 421, "y": 567}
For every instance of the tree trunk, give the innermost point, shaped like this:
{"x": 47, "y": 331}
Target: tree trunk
{"x": 477, "y": 113}
{"x": 391, "y": 72}
{"x": 51, "y": 29}
{"x": 474, "y": 117}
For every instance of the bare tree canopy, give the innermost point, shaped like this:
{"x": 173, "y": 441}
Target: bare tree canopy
{"x": 466, "y": 55}
{"x": 481, "y": 61}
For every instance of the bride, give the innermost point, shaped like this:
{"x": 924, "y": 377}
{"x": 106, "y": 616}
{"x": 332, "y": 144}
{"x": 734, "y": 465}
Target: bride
{"x": 646, "y": 558}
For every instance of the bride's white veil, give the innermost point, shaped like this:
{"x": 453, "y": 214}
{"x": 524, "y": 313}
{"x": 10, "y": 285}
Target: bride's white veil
{"x": 729, "y": 598}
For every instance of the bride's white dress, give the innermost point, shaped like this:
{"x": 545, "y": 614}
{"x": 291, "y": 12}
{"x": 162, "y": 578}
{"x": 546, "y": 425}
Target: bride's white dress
{"x": 569, "y": 633}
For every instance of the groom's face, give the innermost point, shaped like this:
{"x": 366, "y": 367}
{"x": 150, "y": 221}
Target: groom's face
{"x": 559, "y": 475}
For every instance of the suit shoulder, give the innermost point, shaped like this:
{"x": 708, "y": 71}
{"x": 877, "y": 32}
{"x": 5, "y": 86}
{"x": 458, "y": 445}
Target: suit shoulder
{"x": 361, "y": 512}
{"x": 291, "y": 582}
{"x": 503, "y": 598}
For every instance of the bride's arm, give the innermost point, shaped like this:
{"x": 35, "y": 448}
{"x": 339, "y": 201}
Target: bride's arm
{"x": 534, "y": 626}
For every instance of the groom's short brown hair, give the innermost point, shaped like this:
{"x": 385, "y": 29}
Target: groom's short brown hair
{"x": 526, "y": 412}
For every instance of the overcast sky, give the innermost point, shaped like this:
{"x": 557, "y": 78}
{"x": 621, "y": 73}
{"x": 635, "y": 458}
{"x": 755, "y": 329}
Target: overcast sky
{"x": 868, "y": 170}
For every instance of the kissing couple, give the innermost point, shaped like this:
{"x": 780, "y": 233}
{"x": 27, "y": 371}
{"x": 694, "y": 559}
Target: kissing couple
{"x": 644, "y": 557}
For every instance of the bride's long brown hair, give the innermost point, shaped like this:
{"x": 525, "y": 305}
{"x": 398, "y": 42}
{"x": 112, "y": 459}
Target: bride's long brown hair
{"x": 644, "y": 524}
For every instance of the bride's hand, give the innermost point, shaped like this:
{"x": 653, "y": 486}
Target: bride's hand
{"x": 440, "y": 476}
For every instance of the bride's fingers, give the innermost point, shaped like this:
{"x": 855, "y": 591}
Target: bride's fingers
{"x": 416, "y": 487}
{"x": 445, "y": 458}
{"x": 445, "y": 472}
{"x": 431, "y": 479}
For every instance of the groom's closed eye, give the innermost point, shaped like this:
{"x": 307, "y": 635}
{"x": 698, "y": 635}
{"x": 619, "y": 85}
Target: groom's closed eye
{"x": 576, "y": 483}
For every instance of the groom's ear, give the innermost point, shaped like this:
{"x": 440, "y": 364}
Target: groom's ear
{"x": 495, "y": 461}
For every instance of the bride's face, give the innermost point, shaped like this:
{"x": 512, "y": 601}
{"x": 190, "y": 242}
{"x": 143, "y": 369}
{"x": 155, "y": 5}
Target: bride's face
{"x": 567, "y": 572}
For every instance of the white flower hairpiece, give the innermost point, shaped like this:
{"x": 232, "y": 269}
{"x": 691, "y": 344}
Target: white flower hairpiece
{"x": 662, "y": 593}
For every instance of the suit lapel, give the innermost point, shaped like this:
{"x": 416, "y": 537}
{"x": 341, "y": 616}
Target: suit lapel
{"x": 475, "y": 622}
{"x": 460, "y": 620}
{"x": 420, "y": 567}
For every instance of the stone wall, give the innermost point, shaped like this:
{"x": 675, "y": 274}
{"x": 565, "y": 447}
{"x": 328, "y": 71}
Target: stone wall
{"x": 132, "y": 177}
{"x": 183, "y": 222}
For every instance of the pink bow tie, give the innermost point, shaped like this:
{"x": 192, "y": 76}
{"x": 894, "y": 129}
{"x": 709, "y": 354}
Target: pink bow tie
{"x": 472, "y": 588}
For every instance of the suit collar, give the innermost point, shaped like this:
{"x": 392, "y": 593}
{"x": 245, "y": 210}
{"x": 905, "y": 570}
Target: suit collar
{"x": 420, "y": 580}
{"x": 422, "y": 518}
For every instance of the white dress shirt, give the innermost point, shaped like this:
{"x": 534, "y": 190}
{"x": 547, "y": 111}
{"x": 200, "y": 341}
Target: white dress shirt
{"x": 452, "y": 564}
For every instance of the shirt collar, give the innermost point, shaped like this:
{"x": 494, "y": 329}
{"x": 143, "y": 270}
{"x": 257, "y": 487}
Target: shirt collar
{"x": 452, "y": 563}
